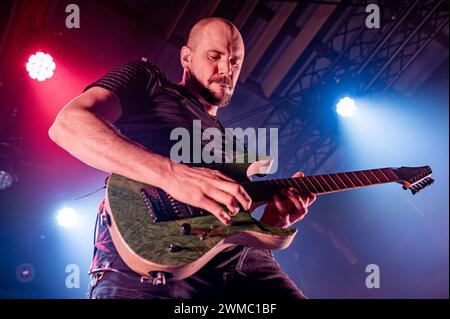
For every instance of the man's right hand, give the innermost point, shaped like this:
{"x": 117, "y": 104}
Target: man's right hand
{"x": 207, "y": 189}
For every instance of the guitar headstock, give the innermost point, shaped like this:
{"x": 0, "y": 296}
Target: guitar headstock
{"x": 414, "y": 178}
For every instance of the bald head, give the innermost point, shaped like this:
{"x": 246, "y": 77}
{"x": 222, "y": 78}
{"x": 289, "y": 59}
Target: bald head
{"x": 205, "y": 25}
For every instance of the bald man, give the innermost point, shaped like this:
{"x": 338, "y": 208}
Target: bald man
{"x": 121, "y": 124}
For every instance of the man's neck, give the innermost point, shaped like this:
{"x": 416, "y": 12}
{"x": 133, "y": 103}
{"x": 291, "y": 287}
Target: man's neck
{"x": 211, "y": 109}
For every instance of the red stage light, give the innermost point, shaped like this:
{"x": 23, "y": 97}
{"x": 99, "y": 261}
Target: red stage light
{"x": 40, "y": 66}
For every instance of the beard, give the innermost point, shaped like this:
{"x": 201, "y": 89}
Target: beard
{"x": 209, "y": 96}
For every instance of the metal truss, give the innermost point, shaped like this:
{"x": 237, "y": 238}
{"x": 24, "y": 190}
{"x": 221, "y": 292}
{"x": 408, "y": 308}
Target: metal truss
{"x": 391, "y": 57}
{"x": 347, "y": 54}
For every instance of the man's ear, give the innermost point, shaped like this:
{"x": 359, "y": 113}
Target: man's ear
{"x": 185, "y": 56}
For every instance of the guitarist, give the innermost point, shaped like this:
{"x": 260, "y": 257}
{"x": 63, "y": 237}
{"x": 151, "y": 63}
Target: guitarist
{"x": 122, "y": 122}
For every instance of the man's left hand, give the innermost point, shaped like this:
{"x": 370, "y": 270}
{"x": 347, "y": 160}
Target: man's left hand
{"x": 288, "y": 209}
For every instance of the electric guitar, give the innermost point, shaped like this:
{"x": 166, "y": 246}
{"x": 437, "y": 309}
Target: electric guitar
{"x": 164, "y": 239}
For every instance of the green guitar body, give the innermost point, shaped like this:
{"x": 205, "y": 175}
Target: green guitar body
{"x": 163, "y": 239}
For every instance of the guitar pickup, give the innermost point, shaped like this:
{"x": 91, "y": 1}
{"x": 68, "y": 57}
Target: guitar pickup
{"x": 163, "y": 207}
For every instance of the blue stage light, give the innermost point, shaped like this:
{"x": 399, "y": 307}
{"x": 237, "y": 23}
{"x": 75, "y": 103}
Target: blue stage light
{"x": 346, "y": 107}
{"x": 67, "y": 217}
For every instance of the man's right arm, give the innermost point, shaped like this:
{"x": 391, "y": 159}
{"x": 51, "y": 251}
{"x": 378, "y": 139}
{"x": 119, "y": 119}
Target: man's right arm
{"x": 83, "y": 128}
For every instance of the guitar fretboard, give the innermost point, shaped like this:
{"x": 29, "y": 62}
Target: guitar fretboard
{"x": 261, "y": 191}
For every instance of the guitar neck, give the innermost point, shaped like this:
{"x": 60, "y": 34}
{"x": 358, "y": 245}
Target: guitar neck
{"x": 262, "y": 191}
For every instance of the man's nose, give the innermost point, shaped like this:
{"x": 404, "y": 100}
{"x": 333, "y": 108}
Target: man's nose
{"x": 225, "y": 67}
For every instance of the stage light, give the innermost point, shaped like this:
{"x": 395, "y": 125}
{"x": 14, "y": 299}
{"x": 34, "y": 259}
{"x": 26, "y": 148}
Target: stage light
{"x": 40, "y": 66}
{"x": 6, "y": 180}
{"x": 25, "y": 272}
{"x": 346, "y": 107}
{"x": 67, "y": 217}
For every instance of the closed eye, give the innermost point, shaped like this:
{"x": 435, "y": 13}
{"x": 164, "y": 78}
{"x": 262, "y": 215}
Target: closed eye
{"x": 214, "y": 57}
{"x": 235, "y": 63}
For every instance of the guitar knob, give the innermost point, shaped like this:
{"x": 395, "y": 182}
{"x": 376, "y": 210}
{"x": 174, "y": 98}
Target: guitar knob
{"x": 185, "y": 229}
{"x": 173, "y": 248}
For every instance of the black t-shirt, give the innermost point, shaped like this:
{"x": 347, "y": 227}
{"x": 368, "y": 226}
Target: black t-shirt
{"x": 152, "y": 107}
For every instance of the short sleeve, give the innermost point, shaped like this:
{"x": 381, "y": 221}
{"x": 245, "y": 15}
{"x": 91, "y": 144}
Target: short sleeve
{"x": 131, "y": 83}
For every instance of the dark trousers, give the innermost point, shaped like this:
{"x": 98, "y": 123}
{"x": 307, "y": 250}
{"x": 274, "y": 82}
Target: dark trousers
{"x": 236, "y": 273}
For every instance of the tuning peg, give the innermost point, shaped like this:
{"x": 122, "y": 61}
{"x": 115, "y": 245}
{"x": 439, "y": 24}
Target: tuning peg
{"x": 426, "y": 182}
{"x": 415, "y": 189}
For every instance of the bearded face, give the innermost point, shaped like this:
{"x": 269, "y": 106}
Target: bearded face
{"x": 213, "y": 62}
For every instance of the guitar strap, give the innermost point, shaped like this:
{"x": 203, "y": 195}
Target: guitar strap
{"x": 100, "y": 211}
